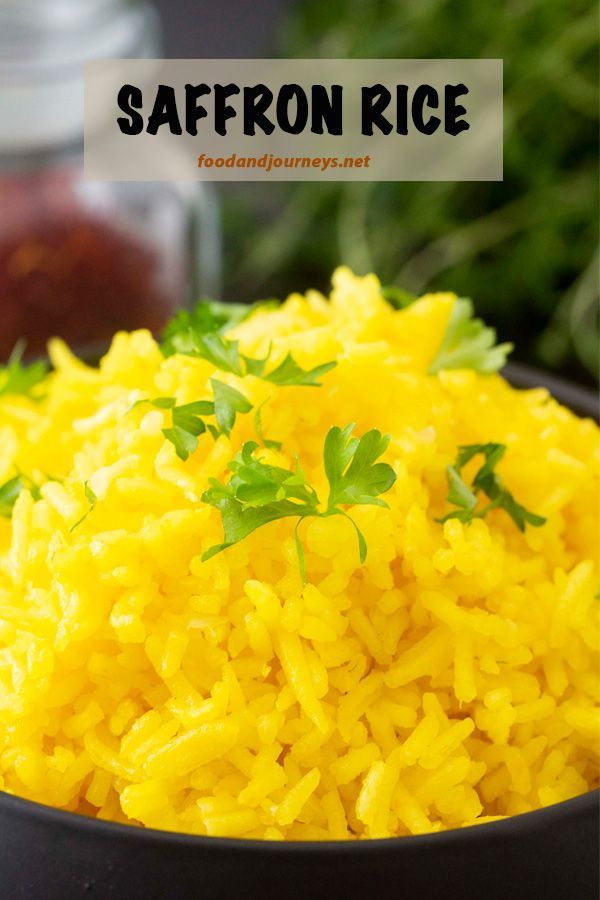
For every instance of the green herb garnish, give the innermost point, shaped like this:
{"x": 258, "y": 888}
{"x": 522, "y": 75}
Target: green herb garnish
{"x": 258, "y": 493}
{"x": 18, "y": 378}
{"x": 194, "y": 334}
{"x": 469, "y": 344}
{"x": 228, "y": 402}
{"x": 352, "y": 471}
{"x": 10, "y": 490}
{"x": 92, "y": 500}
{"x": 221, "y": 352}
{"x": 289, "y": 373}
{"x": 225, "y": 355}
{"x": 187, "y": 425}
{"x": 200, "y": 334}
{"x": 207, "y": 317}
{"x": 187, "y": 422}
{"x": 9, "y": 493}
{"x": 486, "y": 481}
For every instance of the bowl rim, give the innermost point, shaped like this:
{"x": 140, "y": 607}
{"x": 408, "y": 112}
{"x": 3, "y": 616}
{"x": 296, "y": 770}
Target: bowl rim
{"x": 507, "y": 827}
{"x": 583, "y": 401}
{"x": 580, "y": 400}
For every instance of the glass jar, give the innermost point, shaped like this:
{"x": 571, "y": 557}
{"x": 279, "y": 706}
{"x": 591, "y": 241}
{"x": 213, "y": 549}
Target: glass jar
{"x": 78, "y": 258}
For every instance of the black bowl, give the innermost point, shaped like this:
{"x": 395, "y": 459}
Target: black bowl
{"x": 48, "y": 854}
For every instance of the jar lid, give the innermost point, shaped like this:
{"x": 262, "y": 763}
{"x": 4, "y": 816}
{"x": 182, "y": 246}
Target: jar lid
{"x": 43, "y": 47}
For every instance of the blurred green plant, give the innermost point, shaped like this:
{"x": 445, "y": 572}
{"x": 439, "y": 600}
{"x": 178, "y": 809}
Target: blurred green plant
{"x": 524, "y": 248}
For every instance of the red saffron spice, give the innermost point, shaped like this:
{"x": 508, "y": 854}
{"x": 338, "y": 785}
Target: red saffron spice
{"x": 73, "y": 270}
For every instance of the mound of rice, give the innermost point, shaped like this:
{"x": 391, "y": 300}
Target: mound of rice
{"x": 450, "y": 680}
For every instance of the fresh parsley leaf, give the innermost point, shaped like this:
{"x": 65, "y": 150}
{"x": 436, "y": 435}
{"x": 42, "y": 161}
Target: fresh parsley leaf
{"x": 362, "y": 544}
{"x": 219, "y": 351}
{"x": 18, "y": 378}
{"x": 184, "y": 442}
{"x": 300, "y": 551}
{"x": 228, "y": 402}
{"x": 397, "y": 297}
{"x": 9, "y": 493}
{"x": 256, "y": 482}
{"x": 468, "y": 343}
{"x": 485, "y": 481}
{"x": 36, "y": 491}
{"x": 492, "y": 453}
{"x": 350, "y": 465}
{"x": 207, "y": 317}
{"x": 289, "y": 373}
{"x": 92, "y": 500}
{"x": 160, "y": 402}
{"x": 198, "y": 334}
{"x": 258, "y": 493}
{"x": 239, "y": 521}
{"x": 222, "y": 353}
{"x": 255, "y": 367}
{"x": 188, "y": 416}
{"x": 187, "y": 423}
{"x": 460, "y": 495}
{"x": 354, "y": 475}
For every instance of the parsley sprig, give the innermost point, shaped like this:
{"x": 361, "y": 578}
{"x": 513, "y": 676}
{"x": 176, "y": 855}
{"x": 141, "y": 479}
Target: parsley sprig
{"x": 18, "y": 378}
{"x": 228, "y": 402}
{"x": 225, "y": 355}
{"x": 258, "y": 493}
{"x": 187, "y": 423}
{"x": 10, "y": 490}
{"x": 468, "y": 343}
{"x": 9, "y": 493}
{"x": 206, "y": 317}
{"x": 92, "y": 500}
{"x": 198, "y": 334}
{"x": 187, "y": 420}
{"x": 486, "y": 481}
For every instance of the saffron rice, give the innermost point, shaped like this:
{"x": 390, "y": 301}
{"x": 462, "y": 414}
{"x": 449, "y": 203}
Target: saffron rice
{"x": 450, "y": 680}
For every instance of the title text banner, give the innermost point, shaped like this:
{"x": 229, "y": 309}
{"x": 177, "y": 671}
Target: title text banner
{"x": 294, "y": 120}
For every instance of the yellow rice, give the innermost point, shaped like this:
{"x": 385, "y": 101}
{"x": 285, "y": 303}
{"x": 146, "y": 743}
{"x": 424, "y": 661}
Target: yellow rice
{"x": 450, "y": 680}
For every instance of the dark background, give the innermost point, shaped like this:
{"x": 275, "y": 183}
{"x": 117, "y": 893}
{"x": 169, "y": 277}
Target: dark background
{"x": 524, "y": 249}
{"x": 232, "y": 28}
